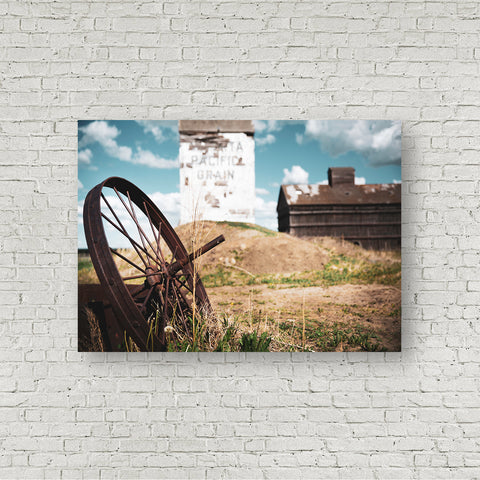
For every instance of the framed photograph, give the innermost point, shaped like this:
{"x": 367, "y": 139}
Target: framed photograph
{"x": 239, "y": 235}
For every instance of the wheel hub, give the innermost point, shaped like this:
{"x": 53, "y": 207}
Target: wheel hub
{"x": 154, "y": 276}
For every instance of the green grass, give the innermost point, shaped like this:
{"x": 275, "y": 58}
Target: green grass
{"x": 328, "y": 337}
{"x": 220, "y": 277}
{"x": 251, "y": 342}
{"x": 396, "y": 312}
{"x": 84, "y": 264}
{"x": 206, "y": 340}
{"x": 338, "y": 271}
{"x": 249, "y": 226}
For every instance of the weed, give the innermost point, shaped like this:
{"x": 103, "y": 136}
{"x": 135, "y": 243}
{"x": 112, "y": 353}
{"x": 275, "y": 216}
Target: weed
{"x": 250, "y": 342}
{"x": 227, "y": 341}
{"x": 396, "y": 312}
{"x": 219, "y": 278}
{"x": 329, "y": 337}
{"x": 90, "y": 339}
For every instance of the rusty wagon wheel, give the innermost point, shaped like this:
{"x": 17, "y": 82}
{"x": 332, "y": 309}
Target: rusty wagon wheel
{"x": 169, "y": 284}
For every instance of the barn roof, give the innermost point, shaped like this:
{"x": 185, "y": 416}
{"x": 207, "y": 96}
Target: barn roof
{"x": 344, "y": 194}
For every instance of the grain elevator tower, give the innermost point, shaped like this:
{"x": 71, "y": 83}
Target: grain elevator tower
{"x": 217, "y": 170}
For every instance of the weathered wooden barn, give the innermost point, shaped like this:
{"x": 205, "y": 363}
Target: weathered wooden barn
{"x": 367, "y": 215}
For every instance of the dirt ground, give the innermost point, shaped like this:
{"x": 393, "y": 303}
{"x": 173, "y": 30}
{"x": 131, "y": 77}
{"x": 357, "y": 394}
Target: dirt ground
{"x": 375, "y": 307}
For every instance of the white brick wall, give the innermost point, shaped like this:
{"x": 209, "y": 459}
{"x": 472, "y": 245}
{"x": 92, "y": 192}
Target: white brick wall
{"x": 69, "y": 415}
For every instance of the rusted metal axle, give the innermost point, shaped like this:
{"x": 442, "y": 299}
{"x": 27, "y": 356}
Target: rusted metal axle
{"x": 179, "y": 264}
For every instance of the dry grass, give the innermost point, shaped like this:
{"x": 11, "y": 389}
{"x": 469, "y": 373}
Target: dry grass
{"x": 90, "y": 337}
{"x": 225, "y": 332}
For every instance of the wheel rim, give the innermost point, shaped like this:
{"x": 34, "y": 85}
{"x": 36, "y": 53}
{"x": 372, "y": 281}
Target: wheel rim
{"x": 162, "y": 294}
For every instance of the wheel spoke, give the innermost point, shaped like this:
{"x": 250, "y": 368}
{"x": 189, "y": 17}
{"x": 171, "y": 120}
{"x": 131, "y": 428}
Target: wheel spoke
{"x": 158, "y": 242}
{"x": 165, "y": 305}
{"x": 183, "y": 283}
{"x": 121, "y": 229}
{"x": 126, "y": 259}
{"x": 132, "y": 277}
{"x": 134, "y": 217}
{"x": 182, "y": 315}
{"x": 142, "y": 234}
{"x": 147, "y": 298}
{"x": 135, "y": 292}
{"x": 155, "y": 237}
{"x": 132, "y": 241}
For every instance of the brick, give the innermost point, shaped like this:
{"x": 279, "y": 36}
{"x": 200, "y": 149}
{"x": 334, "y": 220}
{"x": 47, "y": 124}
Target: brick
{"x": 70, "y": 415}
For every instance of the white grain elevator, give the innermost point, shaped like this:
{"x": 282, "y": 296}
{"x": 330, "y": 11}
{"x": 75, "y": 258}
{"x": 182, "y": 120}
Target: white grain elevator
{"x": 217, "y": 170}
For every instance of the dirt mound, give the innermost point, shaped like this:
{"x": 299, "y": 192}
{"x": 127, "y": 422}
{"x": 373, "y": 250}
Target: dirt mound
{"x": 253, "y": 248}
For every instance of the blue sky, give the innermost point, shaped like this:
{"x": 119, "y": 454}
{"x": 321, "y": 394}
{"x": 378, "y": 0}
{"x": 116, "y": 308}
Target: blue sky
{"x": 146, "y": 153}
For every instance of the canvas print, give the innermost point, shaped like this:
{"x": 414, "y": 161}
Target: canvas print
{"x": 239, "y": 236}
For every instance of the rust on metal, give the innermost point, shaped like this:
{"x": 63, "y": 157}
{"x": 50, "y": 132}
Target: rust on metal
{"x": 205, "y": 134}
{"x": 161, "y": 263}
{"x": 173, "y": 268}
{"x": 369, "y": 215}
{"x": 216, "y": 126}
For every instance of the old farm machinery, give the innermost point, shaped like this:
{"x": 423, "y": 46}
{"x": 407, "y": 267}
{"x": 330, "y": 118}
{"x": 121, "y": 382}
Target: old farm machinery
{"x": 152, "y": 282}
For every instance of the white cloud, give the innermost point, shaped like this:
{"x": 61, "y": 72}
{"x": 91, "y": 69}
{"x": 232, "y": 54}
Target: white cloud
{"x": 297, "y": 175}
{"x": 299, "y": 138}
{"x": 98, "y": 131}
{"x": 259, "y": 125}
{"x": 269, "y": 139}
{"x": 80, "y": 185}
{"x": 161, "y": 129}
{"x": 262, "y": 191}
{"x": 85, "y": 157}
{"x": 169, "y": 205}
{"x": 273, "y": 125}
{"x": 149, "y": 159}
{"x": 105, "y": 134}
{"x": 101, "y": 132}
{"x": 396, "y": 181}
{"x": 267, "y": 125}
{"x": 378, "y": 141}
{"x": 266, "y": 213}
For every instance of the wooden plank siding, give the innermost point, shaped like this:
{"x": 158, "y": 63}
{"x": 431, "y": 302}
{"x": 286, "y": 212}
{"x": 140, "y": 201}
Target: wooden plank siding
{"x": 367, "y": 215}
